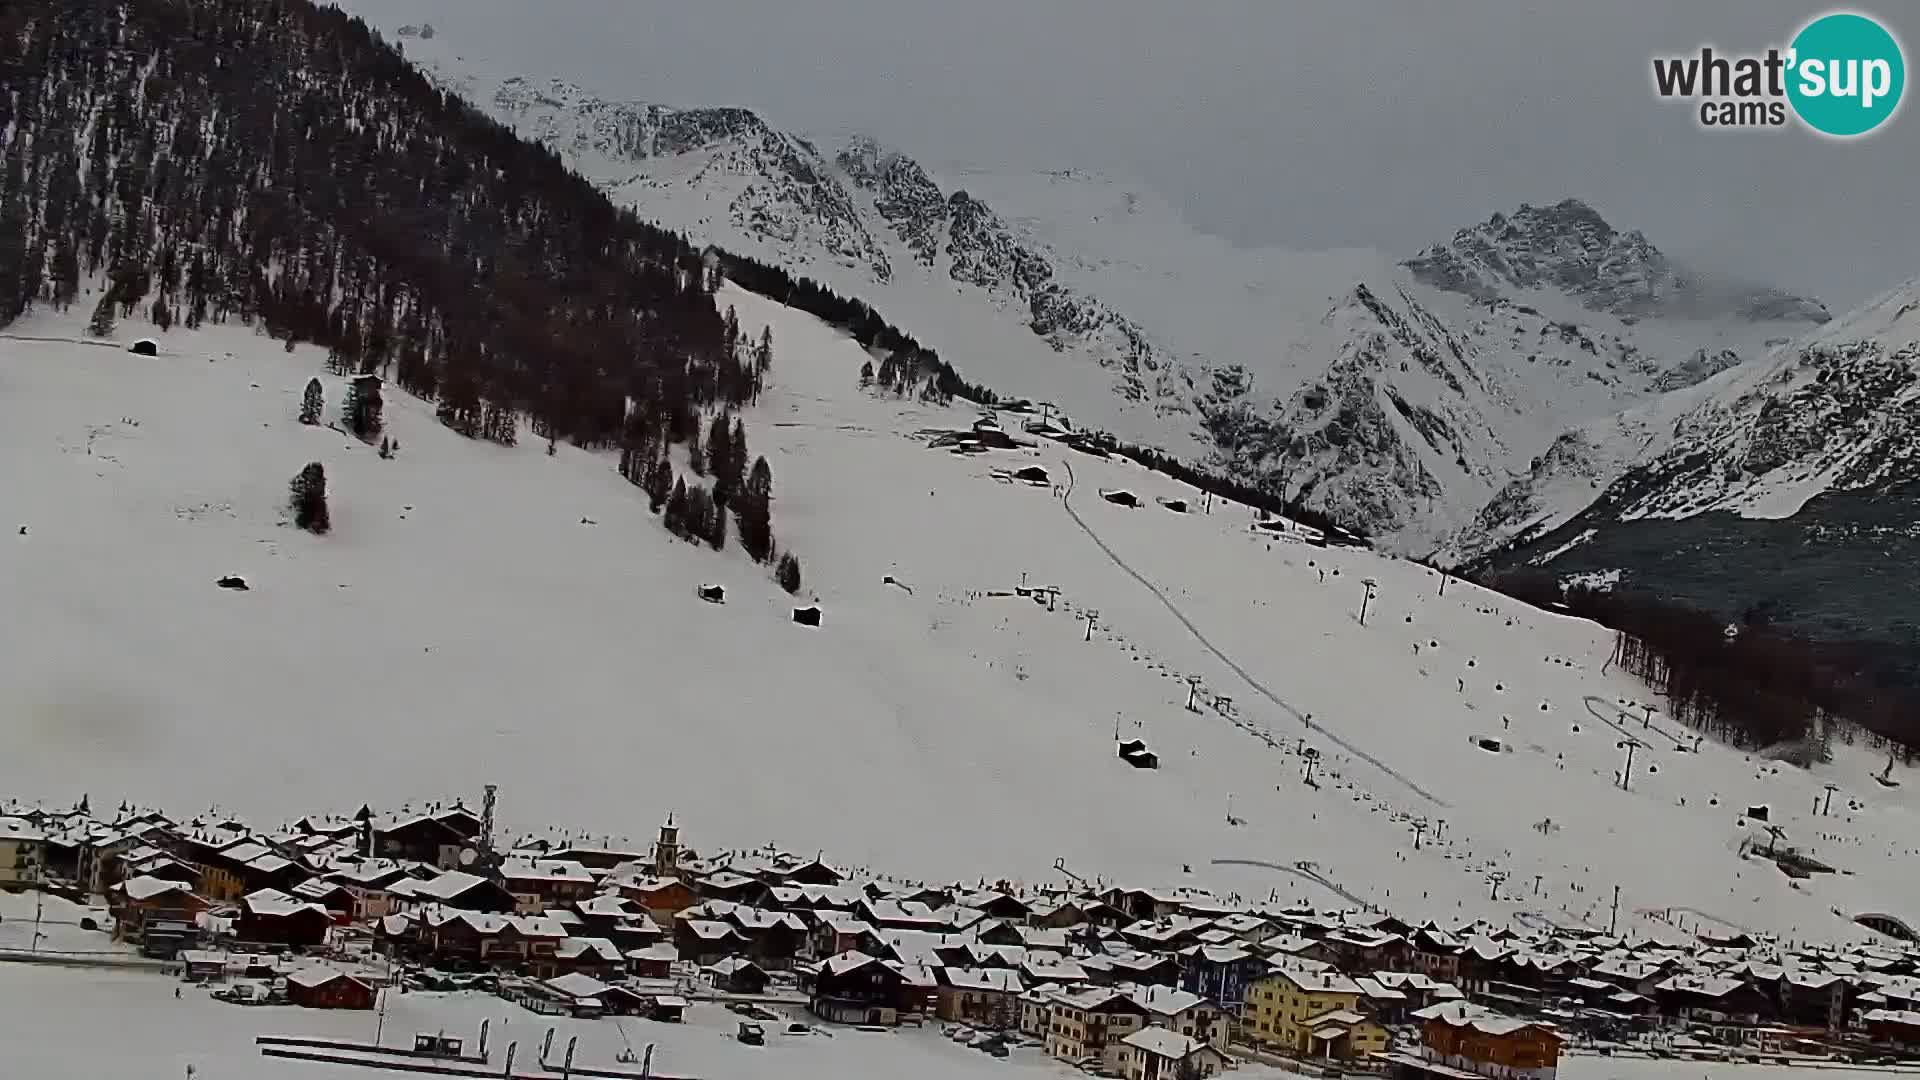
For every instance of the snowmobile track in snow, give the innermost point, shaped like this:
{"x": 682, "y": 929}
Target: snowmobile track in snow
{"x": 1174, "y": 609}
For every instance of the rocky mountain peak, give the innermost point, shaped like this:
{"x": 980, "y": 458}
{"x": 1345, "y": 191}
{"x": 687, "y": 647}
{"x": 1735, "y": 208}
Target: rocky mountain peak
{"x": 1570, "y": 248}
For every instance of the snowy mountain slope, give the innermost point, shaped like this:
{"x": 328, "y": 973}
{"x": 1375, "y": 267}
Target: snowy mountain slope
{"x": 1789, "y": 482}
{"x": 1571, "y": 250}
{"x": 488, "y": 614}
{"x": 1092, "y": 294}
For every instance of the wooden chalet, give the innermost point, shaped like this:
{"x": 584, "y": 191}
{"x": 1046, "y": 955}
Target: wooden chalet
{"x": 322, "y": 987}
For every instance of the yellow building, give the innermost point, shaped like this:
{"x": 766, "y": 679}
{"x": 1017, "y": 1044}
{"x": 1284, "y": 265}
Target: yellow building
{"x": 1311, "y": 1013}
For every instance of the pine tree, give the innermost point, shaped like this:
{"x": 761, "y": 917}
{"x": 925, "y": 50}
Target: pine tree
{"x": 754, "y": 507}
{"x": 308, "y": 499}
{"x": 386, "y": 449}
{"x": 763, "y": 356}
{"x": 730, "y": 335}
{"x": 737, "y": 456}
{"x": 363, "y": 407}
{"x": 659, "y": 483}
{"x": 312, "y": 403}
{"x": 102, "y": 323}
{"x": 717, "y": 527}
{"x": 788, "y": 573}
{"x": 720, "y": 458}
{"x": 675, "y": 518}
{"x": 866, "y": 375}
{"x": 696, "y": 454}
{"x": 700, "y": 514}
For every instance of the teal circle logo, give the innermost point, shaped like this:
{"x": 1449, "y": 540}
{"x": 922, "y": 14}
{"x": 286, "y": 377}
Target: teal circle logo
{"x": 1847, "y": 75}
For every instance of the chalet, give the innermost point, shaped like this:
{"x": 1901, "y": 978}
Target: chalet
{"x": 854, "y": 988}
{"x": 594, "y": 858}
{"x": 996, "y": 904}
{"x": 597, "y": 957}
{"x": 663, "y": 897}
{"x": 336, "y": 898}
{"x": 136, "y": 901}
{"x": 983, "y": 997}
{"x": 1135, "y": 753}
{"x": 1713, "y": 999}
{"x": 1358, "y": 950}
{"x": 707, "y": 941}
{"x": 1463, "y": 1037}
{"x": 1219, "y": 973}
{"x": 1143, "y": 904}
{"x": 901, "y": 915}
{"x": 733, "y": 888}
{"x": 738, "y": 975}
{"x": 23, "y": 853}
{"x": 1047, "y": 969}
{"x": 436, "y": 841}
{"x": 472, "y": 940}
{"x": 323, "y": 987}
{"x": 538, "y": 884}
{"x": 1121, "y": 497}
{"x": 1155, "y": 1053}
{"x": 453, "y": 889}
{"x": 370, "y": 881}
{"x": 837, "y": 934}
{"x": 773, "y": 938}
{"x": 1279, "y": 1006}
{"x": 1164, "y": 934}
{"x": 582, "y": 995}
{"x": 1183, "y": 1012}
{"x": 653, "y": 962}
{"x": 1894, "y": 1027}
{"x": 1090, "y": 1023}
{"x": 271, "y": 917}
{"x": 620, "y": 920}
{"x": 144, "y": 347}
{"x": 1436, "y": 952}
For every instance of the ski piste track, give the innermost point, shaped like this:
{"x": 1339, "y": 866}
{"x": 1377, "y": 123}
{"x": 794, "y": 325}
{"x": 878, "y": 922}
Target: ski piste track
{"x": 1174, "y": 609}
{"x": 1304, "y": 874}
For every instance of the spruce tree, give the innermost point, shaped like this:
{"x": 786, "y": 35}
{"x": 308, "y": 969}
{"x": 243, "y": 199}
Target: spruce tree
{"x": 763, "y": 356}
{"x": 788, "y": 573}
{"x": 308, "y": 499}
{"x": 720, "y": 458}
{"x": 866, "y": 375}
{"x": 659, "y": 483}
{"x": 363, "y": 407}
{"x": 102, "y": 323}
{"x": 755, "y": 510}
{"x": 312, "y": 403}
{"x": 675, "y": 518}
{"x": 696, "y": 454}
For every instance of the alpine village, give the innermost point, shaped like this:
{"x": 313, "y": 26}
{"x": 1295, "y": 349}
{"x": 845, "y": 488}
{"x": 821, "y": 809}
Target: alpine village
{"x": 1114, "y": 979}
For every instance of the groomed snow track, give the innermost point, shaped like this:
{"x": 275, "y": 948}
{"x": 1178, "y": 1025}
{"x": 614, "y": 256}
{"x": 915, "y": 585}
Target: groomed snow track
{"x": 1066, "y": 501}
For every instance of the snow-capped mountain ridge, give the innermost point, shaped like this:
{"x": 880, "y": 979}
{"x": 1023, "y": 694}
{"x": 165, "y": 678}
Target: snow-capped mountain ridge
{"x": 1398, "y": 397}
{"x": 1571, "y": 249}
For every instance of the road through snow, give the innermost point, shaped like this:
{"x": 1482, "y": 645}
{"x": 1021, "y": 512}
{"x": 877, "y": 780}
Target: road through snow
{"x": 1066, "y": 501}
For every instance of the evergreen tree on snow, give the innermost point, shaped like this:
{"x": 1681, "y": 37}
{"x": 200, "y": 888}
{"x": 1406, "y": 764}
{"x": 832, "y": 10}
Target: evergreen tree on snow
{"x": 675, "y": 518}
{"x": 312, "y": 403}
{"x": 659, "y": 483}
{"x": 866, "y": 375}
{"x": 754, "y": 507}
{"x": 307, "y": 496}
{"x": 362, "y": 408}
{"x": 763, "y": 356}
{"x": 720, "y": 459}
{"x": 788, "y": 573}
{"x": 102, "y": 323}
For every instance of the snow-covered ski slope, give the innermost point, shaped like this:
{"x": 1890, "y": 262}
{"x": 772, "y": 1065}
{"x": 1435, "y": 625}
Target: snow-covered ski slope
{"x": 484, "y": 614}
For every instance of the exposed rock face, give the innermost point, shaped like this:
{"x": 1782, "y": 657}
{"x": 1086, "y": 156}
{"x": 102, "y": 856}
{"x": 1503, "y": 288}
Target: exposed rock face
{"x": 1416, "y": 397}
{"x": 1569, "y": 248}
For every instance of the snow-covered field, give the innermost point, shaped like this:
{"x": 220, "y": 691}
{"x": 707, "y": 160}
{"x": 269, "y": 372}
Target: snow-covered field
{"x": 153, "y": 1034}
{"x": 482, "y": 614}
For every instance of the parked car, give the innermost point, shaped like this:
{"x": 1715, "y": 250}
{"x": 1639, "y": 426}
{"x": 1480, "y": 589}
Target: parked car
{"x": 751, "y": 1034}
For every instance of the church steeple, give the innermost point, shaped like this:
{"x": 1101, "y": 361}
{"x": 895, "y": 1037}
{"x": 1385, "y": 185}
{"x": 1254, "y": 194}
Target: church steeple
{"x": 666, "y": 850}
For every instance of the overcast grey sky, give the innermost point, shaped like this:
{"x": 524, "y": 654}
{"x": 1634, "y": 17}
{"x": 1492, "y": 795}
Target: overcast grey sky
{"x": 1331, "y": 124}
